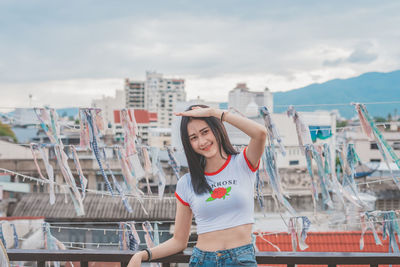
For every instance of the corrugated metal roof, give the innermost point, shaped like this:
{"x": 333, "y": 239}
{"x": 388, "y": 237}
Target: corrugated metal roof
{"x": 97, "y": 208}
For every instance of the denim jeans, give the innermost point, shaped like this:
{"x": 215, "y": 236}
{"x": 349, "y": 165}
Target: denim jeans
{"x": 240, "y": 256}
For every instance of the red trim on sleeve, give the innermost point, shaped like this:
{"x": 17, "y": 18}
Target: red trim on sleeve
{"x": 248, "y": 162}
{"x": 220, "y": 169}
{"x": 181, "y": 200}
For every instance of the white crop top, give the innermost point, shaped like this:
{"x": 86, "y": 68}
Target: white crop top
{"x": 231, "y": 203}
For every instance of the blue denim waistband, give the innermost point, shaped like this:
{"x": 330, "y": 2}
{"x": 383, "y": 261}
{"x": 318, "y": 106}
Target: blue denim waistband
{"x": 222, "y": 254}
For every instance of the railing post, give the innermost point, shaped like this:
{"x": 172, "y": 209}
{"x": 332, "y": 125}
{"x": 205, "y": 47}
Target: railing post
{"x": 41, "y": 263}
{"x": 84, "y": 264}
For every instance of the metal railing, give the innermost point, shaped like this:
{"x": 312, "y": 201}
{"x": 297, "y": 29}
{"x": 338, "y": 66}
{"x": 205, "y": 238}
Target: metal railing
{"x": 330, "y": 259}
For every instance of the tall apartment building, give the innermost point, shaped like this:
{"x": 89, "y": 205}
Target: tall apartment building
{"x": 156, "y": 94}
{"x": 135, "y": 94}
{"x": 161, "y": 96}
{"x": 240, "y": 97}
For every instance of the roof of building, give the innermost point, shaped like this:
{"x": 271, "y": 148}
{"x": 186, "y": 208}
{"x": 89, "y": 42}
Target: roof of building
{"x": 141, "y": 116}
{"x": 14, "y": 151}
{"x": 152, "y": 116}
{"x": 325, "y": 242}
{"x": 97, "y": 207}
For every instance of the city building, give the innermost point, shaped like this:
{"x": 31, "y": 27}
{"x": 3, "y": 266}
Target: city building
{"x": 145, "y": 121}
{"x": 162, "y": 94}
{"x": 241, "y": 96}
{"x": 135, "y": 94}
{"x": 108, "y": 104}
{"x": 24, "y": 116}
{"x": 156, "y": 94}
{"x": 159, "y": 137}
{"x": 366, "y": 148}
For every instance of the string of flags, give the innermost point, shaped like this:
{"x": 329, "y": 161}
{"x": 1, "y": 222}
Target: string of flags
{"x": 91, "y": 127}
{"x": 323, "y": 179}
{"x": 328, "y": 180}
{"x": 39, "y": 181}
{"x": 298, "y": 228}
{"x": 298, "y": 232}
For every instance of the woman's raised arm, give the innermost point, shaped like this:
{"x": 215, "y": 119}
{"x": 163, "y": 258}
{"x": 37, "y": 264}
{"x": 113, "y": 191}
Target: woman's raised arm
{"x": 254, "y": 130}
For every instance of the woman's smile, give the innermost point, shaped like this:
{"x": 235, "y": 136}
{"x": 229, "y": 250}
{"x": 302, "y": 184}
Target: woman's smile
{"x": 207, "y": 147}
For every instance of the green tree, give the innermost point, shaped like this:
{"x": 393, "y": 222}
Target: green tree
{"x": 341, "y": 124}
{"x": 5, "y": 130}
{"x": 379, "y": 119}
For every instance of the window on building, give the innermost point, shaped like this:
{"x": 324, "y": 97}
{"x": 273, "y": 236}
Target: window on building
{"x": 373, "y": 145}
{"x": 396, "y": 145}
{"x": 77, "y": 237}
{"x": 293, "y": 162}
{"x": 375, "y": 160}
{"x": 101, "y": 184}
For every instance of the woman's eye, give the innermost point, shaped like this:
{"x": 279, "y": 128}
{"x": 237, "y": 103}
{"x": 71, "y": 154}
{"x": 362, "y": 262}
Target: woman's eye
{"x": 193, "y": 138}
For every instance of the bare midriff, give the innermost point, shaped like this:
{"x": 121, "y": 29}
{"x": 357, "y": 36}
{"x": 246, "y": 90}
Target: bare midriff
{"x": 225, "y": 239}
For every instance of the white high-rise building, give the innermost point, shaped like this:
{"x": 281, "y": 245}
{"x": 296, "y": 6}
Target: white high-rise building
{"x": 135, "y": 94}
{"x": 161, "y": 96}
{"x": 240, "y": 97}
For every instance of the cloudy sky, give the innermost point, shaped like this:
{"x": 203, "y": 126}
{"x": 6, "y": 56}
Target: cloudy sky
{"x": 66, "y": 53}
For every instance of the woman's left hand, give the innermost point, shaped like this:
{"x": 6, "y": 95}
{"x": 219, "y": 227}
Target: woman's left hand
{"x": 198, "y": 112}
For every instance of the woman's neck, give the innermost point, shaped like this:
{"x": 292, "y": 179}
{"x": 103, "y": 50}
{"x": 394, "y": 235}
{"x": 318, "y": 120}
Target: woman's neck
{"x": 215, "y": 163}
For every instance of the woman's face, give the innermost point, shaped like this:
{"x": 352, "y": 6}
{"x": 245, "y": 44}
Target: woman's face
{"x": 202, "y": 138}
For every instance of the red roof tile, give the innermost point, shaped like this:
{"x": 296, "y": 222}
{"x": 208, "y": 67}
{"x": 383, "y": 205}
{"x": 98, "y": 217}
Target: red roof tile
{"x": 141, "y": 116}
{"x": 325, "y": 242}
{"x": 117, "y": 116}
{"x": 153, "y": 116}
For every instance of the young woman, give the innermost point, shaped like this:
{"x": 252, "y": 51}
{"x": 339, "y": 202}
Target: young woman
{"x": 218, "y": 191}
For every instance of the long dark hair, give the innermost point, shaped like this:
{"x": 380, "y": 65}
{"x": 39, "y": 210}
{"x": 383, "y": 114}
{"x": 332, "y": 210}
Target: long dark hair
{"x": 197, "y": 162}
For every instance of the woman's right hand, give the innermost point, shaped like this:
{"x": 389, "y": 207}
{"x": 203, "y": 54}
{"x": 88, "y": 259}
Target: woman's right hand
{"x": 200, "y": 112}
{"x": 136, "y": 260}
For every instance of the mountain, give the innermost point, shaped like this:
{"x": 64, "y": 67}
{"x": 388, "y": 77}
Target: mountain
{"x": 368, "y": 87}
{"x": 68, "y": 112}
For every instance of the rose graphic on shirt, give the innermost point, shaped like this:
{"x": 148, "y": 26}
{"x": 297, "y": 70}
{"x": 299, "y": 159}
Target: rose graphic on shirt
{"x": 220, "y": 192}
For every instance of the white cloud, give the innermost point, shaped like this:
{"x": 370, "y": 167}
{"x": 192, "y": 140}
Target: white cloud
{"x": 70, "y": 52}
{"x": 61, "y": 93}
